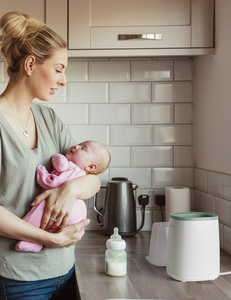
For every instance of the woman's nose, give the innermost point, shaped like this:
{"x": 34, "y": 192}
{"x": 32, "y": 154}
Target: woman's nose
{"x": 62, "y": 80}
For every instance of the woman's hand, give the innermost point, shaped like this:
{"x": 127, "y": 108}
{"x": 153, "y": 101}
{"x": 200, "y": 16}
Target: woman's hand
{"x": 59, "y": 203}
{"x": 13, "y": 227}
{"x": 60, "y": 200}
{"x": 67, "y": 236}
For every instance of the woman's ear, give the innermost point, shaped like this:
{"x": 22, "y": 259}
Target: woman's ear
{"x": 29, "y": 63}
{"x": 91, "y": 167}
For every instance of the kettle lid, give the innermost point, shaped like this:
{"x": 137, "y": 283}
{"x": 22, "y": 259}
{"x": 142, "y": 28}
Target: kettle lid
{"x": 119, "y": 179}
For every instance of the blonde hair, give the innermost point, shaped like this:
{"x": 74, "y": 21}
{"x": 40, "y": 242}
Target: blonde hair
{"x": 24, "y": 36}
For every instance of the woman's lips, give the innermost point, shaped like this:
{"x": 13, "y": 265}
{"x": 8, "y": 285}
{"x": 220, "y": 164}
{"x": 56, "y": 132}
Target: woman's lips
{"x": 53, "y": 91}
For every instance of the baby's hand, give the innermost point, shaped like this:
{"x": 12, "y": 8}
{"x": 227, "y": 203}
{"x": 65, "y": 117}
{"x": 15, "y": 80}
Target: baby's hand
{"x": 60, "y": 162}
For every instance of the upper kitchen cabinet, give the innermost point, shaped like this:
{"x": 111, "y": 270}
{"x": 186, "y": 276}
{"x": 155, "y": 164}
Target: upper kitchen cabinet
{"x": 56, "y": 16}
{"x": 33, "y": 8}
{"x": 140, "y": 27}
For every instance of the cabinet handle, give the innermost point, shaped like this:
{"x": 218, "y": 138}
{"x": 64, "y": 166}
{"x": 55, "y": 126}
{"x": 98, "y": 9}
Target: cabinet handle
{"x": 145, "y": 36}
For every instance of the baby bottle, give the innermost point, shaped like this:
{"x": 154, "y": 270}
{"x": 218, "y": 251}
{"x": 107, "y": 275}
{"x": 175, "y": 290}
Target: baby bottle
{"x": 115, "y": 255}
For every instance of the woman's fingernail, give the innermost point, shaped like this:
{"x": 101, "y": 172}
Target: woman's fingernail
{"x": 88, "y": 221}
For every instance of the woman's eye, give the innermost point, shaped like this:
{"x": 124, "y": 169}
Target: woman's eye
{"x": 58, "y": 71}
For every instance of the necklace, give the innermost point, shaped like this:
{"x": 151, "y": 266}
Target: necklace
{"x": 25, "y": 133}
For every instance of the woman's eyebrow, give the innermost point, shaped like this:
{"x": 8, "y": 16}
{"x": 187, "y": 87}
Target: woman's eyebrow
{"x": 62, "y": 65}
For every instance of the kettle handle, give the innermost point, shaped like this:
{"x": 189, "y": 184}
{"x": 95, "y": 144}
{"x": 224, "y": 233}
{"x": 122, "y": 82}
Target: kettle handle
{"x": 134, "y": 186}
{"x": 95, "y": 208}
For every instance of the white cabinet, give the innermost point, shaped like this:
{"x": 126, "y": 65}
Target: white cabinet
{"x": 33, "y": 8}
{"x": 132, "y": 27}
{"x": 56, "y": 16}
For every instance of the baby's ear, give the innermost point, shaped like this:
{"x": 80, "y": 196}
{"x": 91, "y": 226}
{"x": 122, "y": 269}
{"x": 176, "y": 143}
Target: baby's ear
{"x": 91, "y": 167}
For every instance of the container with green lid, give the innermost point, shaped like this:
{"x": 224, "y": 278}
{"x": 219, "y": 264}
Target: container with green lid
{"x": 193, "y": 249}
{"x": 193, "y": 216}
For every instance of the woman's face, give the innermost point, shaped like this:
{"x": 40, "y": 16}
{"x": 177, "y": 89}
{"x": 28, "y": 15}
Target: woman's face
{"x": 46, "y": 78}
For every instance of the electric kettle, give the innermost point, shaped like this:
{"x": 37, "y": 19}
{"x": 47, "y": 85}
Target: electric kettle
{"x": 119, "y": 207}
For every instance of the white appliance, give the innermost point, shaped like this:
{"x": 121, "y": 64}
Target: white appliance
{"x": 193, "y": 250}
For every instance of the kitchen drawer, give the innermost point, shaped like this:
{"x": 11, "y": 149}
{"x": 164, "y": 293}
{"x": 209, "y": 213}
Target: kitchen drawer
{"x": 140, "y": 37}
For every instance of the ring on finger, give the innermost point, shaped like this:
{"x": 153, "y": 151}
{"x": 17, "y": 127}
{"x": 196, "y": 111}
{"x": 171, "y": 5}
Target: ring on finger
{"x": 54, "y": 220}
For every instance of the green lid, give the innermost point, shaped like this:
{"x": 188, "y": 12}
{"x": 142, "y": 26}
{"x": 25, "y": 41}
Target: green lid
{"x": 193, "y": 216}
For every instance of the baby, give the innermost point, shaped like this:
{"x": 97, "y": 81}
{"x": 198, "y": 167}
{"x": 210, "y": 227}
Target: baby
{"x": 87, "y": 157}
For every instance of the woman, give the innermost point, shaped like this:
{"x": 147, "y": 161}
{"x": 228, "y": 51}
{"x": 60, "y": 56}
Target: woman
{"x": 29, "y": 135}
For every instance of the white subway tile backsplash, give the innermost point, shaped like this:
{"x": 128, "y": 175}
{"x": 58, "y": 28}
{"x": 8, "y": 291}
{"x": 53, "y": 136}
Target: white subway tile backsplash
{"x": 139, "y": 176}
{"x": 182, "y": 69}
{"x": 207, "y": 203}
{"x": 183, "y": 156}
{"x": 197, "y": 200}
{"x": 109, "y": 71}
{"x": 156, "y": 216}
{"x": 89, "y": 92}
{"x": 2, "y": 87}
{"x": 147, "y": 220}
{"x": 77, "y": 71}
{"x": 120, "y": 156}
{"x": 109, "y": 113}
{"x": 152, "y": 114}
{"x": 104, "y": 177}
{"x": 214, "y": 183}
{"x": 226, "y": 186}
{"x": 200, "y": 180}
{"x": 130, "y": 92}
{"x": 172, "y": 92}
{"x": 221, "y": 233}
{"x": 183, "y": 113}
{"x": 172, "y": 135}
{"x": 152, "y": 70}
{"x": 98, "y": 133}
{"x": 227, "y": 239}
{"x": 130, "y": 135}
{"x": 223, "y": 209}
{"x": 163, "y": 177}
{"x": 151, "y": 156}
{"x": 71, "y": 113}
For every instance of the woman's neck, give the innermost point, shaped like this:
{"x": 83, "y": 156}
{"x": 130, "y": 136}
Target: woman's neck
{"x": 18, "y": 95}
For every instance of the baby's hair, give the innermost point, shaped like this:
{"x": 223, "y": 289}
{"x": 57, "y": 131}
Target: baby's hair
{"x": 24, "y": 36}
{"x": 104, "y": 162}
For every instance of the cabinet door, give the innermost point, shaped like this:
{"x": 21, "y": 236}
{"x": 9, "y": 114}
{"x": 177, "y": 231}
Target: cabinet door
{"x": 96, "y": 24}
{"x": 56, "y": 16}
{"x": 140, "y": 12}
{"x": 119, "y": 25}
{"x": 33, "y": 8}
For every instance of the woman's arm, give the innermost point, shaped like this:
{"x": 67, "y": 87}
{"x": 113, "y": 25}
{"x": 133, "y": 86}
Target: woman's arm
{"x": 15, "y": 228}
{"x": 60, "y": 200}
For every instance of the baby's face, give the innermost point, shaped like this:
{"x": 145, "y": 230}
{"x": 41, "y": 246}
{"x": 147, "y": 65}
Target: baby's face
{"x": 82, "y": 154}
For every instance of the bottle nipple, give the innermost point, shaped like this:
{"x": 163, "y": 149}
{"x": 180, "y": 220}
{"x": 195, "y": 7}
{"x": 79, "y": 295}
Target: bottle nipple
{"x": 115, "y": 236}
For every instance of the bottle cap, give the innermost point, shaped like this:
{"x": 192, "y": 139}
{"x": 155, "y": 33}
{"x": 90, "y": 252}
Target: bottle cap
{"x": 115, "y": 242}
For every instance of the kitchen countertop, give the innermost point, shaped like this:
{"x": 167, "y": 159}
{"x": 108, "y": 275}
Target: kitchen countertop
{"x": 143, "y": 280}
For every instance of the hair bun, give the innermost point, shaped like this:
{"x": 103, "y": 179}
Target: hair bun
{"x": 18, "y": 25}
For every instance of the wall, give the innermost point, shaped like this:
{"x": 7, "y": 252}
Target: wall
{"x": 141, "y": 110}
{"x": 212, "y": 126}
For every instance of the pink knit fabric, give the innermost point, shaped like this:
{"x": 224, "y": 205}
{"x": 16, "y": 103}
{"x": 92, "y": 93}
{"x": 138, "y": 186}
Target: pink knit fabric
{"x": 64, "y": 170}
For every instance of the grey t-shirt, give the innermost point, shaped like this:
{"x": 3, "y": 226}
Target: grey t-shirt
{"x": 18, "y": 189}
